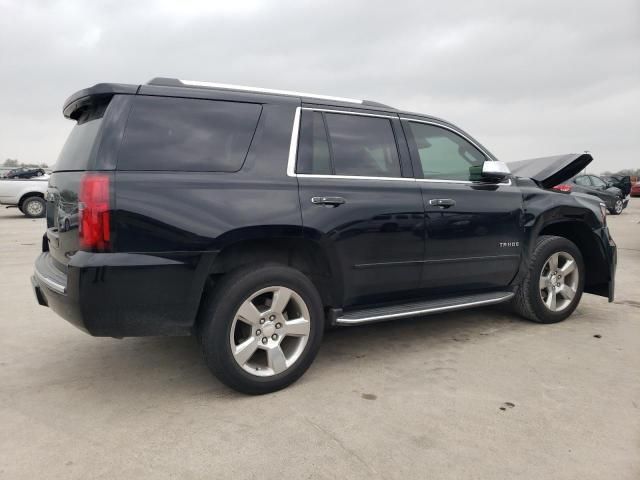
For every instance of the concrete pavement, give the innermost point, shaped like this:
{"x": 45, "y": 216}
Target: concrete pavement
{"x": 474, "y": 394}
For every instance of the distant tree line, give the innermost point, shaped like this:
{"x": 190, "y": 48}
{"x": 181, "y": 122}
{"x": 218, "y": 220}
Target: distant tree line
{"x": 627, "y": 171}
{"x": 13, "y": 163}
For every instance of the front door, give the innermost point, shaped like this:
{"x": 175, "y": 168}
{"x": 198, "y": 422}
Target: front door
{"x": 474, "y": 229}
{"x": 360, "y": 201}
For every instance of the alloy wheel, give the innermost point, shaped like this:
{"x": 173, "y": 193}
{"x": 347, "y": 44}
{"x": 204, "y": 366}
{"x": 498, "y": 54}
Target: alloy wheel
{"x": 34, "y": 208}
{"x": 559, "y": 281}
{"x": 270, "y": 331}
{"x": 618, "y": 206}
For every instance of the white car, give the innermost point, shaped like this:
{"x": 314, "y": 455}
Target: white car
{"x": 26, "y": 194}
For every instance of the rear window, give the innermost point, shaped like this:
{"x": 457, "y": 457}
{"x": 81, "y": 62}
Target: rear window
{"x": 362, "y": 146}
{"x": 350, "y": 145}
{"x": 187, "y": 134}
{"x": 76, "y": 153}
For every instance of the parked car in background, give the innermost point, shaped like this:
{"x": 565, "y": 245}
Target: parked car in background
{"x": 593, "y": 185}
{"x": 254, "y": 218}
{"x": 26, "y": 194}
{"x": 25, "y": 172}
{"x": 623, "y": 182}
{"x": 635, "y": 189}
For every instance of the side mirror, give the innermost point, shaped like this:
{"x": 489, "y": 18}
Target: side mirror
{"x": 495, "y": 170}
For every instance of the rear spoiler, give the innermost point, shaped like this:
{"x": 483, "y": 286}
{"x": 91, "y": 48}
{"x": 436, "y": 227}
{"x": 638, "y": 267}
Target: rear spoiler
{"x": 551, "y": 171}
{"x": 98, "y": 94}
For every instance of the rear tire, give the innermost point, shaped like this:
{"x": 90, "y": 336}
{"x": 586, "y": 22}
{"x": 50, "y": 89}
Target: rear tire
{"x": 34, "y": 207}
{"x": 550, "y": 294}
{"x": 280, "y": 345}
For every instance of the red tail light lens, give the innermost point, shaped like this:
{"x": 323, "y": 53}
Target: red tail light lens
{"x": 94, "y": 212}
{"x": 563, "y": 188}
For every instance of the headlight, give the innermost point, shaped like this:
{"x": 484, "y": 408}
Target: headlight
{"x": 603, "y": 213}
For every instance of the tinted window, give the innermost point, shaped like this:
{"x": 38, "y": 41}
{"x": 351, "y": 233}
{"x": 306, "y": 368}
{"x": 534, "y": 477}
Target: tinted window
{"x": 362, "y": 146}
{"x": 444, "y": 154}
{"x": 584, "y": 181}
{"x": 77, "y": 149}
{"x": 313, "y": 150}
{"x": 598, "y": 182}
{"x": 187, "y": 134}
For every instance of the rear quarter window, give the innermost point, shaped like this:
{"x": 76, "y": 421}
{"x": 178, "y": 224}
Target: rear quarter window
{"x": 187, "y": 135}
{"x": 77, "y": 150}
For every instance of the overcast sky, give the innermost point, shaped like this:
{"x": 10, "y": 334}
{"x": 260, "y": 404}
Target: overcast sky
{"x": 526, "y": 78}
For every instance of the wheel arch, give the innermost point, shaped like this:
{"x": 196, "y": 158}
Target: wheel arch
{"x": 596, "y": 265}
{"x": 310, "y": 256}
{"x": 24, "y": 196}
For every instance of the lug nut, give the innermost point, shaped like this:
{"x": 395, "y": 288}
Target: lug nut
{"x": 265, "y": 339}
{"x": 261, "y": 321}
{"x": 258, "y": 332}
{"x": 272, "y": 318}
{"x": 278, "y": 325}
{"x": 274, "y": 336}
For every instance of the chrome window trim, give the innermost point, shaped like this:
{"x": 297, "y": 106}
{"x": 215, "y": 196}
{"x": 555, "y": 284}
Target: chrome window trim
{"x": 244, "y": 88}
{"x": 486, "y": 155}
{"x": 293, "y": 151}
{"x": 293, "y": 146}
{"x": 460, "y": 134}
{"x": 348, "y": 112}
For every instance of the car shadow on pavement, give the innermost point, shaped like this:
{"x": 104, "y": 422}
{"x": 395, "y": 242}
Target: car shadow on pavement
{"x": 158, "y": 365}
{"x": 14, "y": 213}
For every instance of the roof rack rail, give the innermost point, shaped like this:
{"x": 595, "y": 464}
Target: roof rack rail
{"x": 176, "y": 82}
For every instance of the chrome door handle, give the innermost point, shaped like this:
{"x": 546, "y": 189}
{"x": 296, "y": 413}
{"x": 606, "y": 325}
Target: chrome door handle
{"x": 333, "y": 201}
{"x": 442, "y": 202}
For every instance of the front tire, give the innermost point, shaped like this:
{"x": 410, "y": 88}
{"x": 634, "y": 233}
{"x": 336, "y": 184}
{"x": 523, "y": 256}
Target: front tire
{"x": 261, "y": 328}
{"x": 553, "y": 285}
{"x": 617, "y": 207}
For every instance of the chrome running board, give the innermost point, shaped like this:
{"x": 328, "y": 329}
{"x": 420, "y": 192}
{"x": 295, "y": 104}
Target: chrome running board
{"x": 427, "y": 307}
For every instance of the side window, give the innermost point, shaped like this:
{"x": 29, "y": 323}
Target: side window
{"x": 584, "y": 181}
{"x": 362, "y": 146}
{"x": 313, "y": 149}
{"x": 165, "y": 133}
{"x": 597, "y": 182}
{"x": 444, "y": 154}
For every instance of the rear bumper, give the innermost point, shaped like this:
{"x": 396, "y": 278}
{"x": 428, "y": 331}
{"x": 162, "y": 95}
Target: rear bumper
{"x": 123, "y": 295}
{"x": 51, "y": 287}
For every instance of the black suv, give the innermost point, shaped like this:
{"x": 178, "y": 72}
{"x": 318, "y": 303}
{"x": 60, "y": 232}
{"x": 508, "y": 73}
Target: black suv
{"x": 255, "y": 218}
{"x": 623, "y": 182}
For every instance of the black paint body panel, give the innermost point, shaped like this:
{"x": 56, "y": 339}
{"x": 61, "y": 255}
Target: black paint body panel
{"x": 385, "y": 243}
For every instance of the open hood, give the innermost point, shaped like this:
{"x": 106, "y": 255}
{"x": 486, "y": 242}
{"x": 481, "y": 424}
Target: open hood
{"x": 551, "y": 171}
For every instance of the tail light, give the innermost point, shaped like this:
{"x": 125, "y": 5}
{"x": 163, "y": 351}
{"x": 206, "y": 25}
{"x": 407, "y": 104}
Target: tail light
{"x": 94, "y": 212}
{"x": 563, "y": 187}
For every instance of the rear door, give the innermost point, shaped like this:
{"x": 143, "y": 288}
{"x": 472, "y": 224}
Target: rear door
{"x": 474, "y": 229}
{"x": 360, "y": 201}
